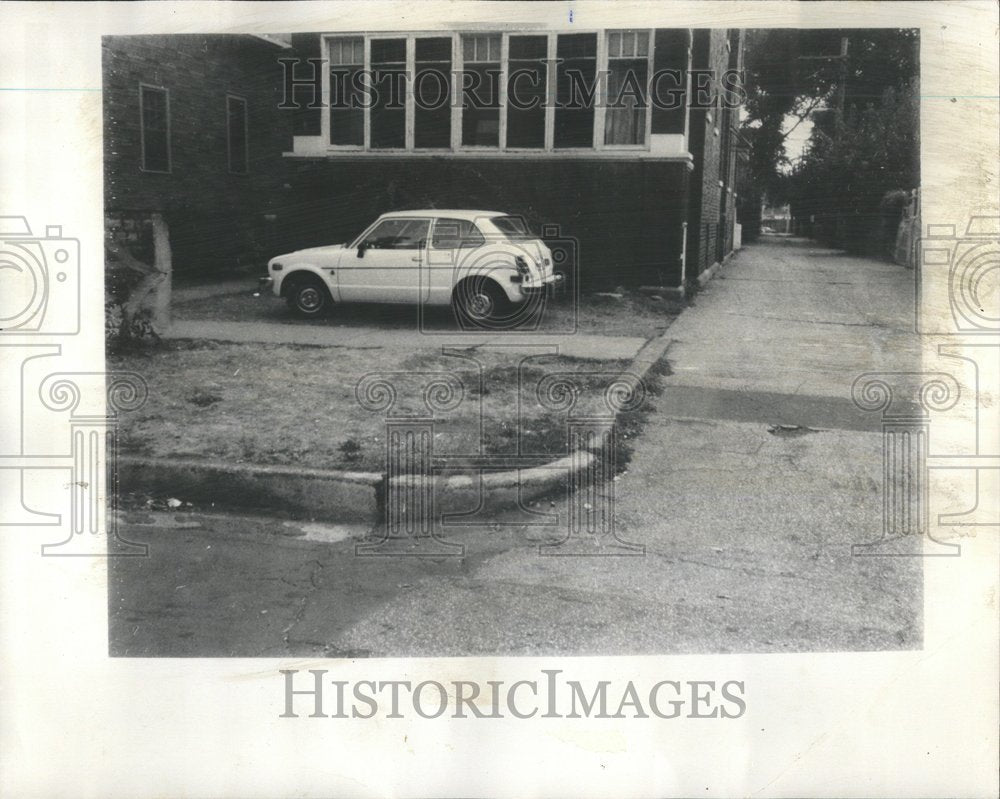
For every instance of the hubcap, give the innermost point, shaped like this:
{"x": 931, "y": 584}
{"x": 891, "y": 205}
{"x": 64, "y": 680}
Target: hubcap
{"x": 480, "y": 305}
{"x": 309, "y": 299}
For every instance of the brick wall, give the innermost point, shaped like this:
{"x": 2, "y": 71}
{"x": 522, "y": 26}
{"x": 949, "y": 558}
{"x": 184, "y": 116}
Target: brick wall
{"x": 625, "y": 216}
{"x": 215, "y": 217}
{"x": 711, "y": 144}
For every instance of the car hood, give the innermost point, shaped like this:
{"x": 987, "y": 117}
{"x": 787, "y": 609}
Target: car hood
{"x": 328, "y": 249}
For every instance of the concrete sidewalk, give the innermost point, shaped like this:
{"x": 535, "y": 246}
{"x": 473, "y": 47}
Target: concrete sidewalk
{"x": 790, "y": 317}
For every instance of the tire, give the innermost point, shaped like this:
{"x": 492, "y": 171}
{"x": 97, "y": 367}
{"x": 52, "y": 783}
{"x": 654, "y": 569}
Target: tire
{"x": 479, "y": 303}
{"x": 308, "y": 297}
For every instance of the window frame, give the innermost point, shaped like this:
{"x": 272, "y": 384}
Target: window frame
{"x": 246, "y": 135}
{"x": 457, "y": 45}
{"x": 549, "y": 110}
{"x": 426, "y": 219}
{"x": 326, "y": 91}
{"x": 458, "y": 65}
{"x": 472, "y": 226}
{"x": 602, "y": 107}
{"x": 411, "y": 93}
{"x": 142, "y": 129}
{"x": 408, "y": 115}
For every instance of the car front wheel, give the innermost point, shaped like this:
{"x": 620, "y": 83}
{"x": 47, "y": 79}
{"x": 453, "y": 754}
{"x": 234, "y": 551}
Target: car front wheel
{"x": 308, "y": 297}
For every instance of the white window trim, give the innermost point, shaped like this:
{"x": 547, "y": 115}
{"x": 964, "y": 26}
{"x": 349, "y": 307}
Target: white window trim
{"x": 602, "y": 58}
{"x": 142, "y": 131}
{"x": 246, "y": 136}
{"x": 325, "y": 91}
{"x": 458, "y": 65}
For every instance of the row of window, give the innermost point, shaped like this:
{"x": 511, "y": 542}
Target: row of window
{"x": 523, "y": 63}
{"x": 154, "y": 123}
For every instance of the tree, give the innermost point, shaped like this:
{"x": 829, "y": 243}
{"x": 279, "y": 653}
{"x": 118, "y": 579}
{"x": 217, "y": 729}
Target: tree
{"x": 858, "y": 88}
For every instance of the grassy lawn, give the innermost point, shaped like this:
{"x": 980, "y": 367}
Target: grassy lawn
{"x": 632, "y": 314}
{"x": 278, "y": 404}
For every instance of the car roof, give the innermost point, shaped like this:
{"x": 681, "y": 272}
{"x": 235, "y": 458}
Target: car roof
{"x": 451, "y": 213}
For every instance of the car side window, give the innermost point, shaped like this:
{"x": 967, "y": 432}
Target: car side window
{"x": 398, "y": 234}
{"x": 451, "y": 234}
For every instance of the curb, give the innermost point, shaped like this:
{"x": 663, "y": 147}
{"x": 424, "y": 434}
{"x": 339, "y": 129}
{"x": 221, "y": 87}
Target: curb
{"x": 343, "y": 496}
{"x": 333, "y": 495}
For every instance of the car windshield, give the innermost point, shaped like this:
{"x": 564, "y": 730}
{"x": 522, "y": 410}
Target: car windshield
{"x": 511, "y": 226}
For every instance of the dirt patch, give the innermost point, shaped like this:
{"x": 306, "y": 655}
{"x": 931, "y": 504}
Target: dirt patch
{"x": 279, "y": 404}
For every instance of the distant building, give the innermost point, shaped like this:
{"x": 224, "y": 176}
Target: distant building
{"x": 776, "y": 218}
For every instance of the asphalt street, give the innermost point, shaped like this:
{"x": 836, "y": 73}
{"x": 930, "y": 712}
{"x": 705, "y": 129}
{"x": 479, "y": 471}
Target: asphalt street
{"x": 733, "y": 521}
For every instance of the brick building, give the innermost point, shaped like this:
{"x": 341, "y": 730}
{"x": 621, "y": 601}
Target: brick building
{"x": 649, "y": 194}
{"x": 646, "y": 188}
{"x": 192, "y": 131}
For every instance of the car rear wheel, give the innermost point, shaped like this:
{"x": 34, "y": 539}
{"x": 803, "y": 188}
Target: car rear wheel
{"x": 308, "y": 297}
{"x": 479, "y": 303}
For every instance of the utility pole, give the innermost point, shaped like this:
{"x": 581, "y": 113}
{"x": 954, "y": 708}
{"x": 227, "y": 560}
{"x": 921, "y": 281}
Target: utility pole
{"x": 842, "y": 85}
{"x": 842, "y": 79}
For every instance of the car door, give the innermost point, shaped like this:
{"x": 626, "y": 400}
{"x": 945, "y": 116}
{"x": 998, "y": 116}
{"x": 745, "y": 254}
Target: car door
{"x": 386, "y": 263}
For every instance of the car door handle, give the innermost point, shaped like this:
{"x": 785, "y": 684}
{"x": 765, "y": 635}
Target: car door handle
{"x": 415, "y": 258}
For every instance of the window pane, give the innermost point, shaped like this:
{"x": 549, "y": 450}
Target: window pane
{"x": 347, "y": 116}
{"x": 432, "y": 93}
{"x": 526, "y": 92}
{"x": 398, "y": 234}
{"x": 436, "y": 49}
{"x": 237, "y": 130}
{"x": 512, "y": 227}
{"x": 388, "y": 112}
{"x": 614, "y": 44}
{"x": 577, "y": 45}
{"x": 528, "y": 47}
{"x": 481, "y": 48}
{"x": 387, "y": 51}
{"x": 451, "y": 234}
{"x": 576, "y": 75}
{"x": 625, "y": 115}
{"x": 642, "y": 43}
{"x": 481, "y": 104}
{"x": 155, "y": 142}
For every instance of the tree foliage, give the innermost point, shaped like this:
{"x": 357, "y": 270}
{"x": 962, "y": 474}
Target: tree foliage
{"x": 864, "y": 110}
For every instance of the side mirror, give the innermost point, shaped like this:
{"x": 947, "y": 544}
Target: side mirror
{"x": 361, "y": 250}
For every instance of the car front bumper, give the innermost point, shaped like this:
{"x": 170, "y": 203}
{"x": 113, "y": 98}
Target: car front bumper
{"x": 551, "y": 285}
{"x": 265, "y": 284}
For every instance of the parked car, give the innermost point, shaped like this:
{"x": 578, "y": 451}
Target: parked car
{"x": 483, "y": 263}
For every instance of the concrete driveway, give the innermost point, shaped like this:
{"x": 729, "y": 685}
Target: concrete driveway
{"x": 592, "y": 329}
